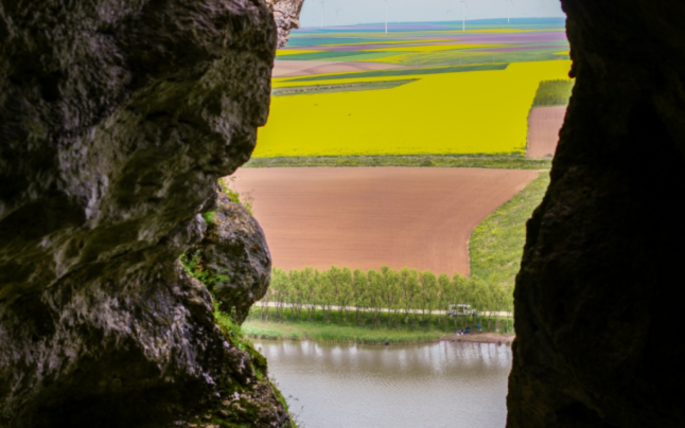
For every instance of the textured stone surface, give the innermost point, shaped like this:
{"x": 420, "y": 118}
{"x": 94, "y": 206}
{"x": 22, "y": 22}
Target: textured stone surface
{"x": 116, "y": 119}
{"x": 597, "y": 307}
{"x": 235, "y": 254}
{"x": 287, "y": 17}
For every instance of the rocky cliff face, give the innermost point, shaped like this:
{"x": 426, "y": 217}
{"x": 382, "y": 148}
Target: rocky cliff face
{"x": 116, "y": 119}
{"x": 235, "y": 258}
{"x": 287, "y": 16}
{"x": 597, "y": 307}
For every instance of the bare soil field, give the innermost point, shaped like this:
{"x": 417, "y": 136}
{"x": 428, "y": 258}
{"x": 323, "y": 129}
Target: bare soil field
{"x": 290, "y": 68}
{"x": 366, "y": 217}
{"x": 544, "y": 124}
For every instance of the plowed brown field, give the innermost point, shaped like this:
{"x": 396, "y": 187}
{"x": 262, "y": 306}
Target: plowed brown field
{"x": 544, "y": 124}
{"x": 367, "y": 217}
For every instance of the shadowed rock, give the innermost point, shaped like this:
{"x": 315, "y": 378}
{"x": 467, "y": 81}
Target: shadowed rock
{"x": 116, "y": 119}
{"x": 597, "y": 299}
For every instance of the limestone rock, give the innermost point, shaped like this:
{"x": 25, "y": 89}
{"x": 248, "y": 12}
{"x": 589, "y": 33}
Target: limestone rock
{"x": 287, "y": 16}
{"x": 235, "y": 254}
{"x": 116, "y": 119}
{"x": 597, "y": 298}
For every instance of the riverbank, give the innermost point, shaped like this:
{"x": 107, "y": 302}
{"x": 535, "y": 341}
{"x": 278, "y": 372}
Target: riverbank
{"x": 371, "y": 336}
{"x": 498, "y": 338}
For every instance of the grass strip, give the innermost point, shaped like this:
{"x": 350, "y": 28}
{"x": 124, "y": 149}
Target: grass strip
{"x": 496, "y": 245}
{"x": 347, "y": 87}
{"x": 502, "y": 161}
{"x": 361, "y": 328}
{"x": 335, "y": 333}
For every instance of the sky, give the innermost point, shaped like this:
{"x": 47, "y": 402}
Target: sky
{"x": 373, "y": 11}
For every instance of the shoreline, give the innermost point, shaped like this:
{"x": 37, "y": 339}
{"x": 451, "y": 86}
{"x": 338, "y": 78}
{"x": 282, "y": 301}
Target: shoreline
{"x": 483, "y": 338}
{"x": 503, "y": 341}
{"x": 488, "y": 337}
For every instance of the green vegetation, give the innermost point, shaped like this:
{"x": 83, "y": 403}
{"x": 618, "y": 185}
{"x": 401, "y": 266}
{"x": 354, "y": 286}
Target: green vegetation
{"x": 553, "y": 93}
{"x": 346, "y": 87}
{"x": 334, "y": 333}
{"x": 505, "y": 161}
{"x": 233, "y": 196}
{"x": 192, "y": 263}
{"x": 411, "y": 72}
{"x": 496, "y": 245}
{"x": 374, "y": 299}
{"x": 209, "y": 217}
{"x": 435, "y": 327}
{"x": 234, "y": 333}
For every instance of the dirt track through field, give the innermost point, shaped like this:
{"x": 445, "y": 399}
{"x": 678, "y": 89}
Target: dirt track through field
{"x": 366, "y": 217}
{"x": 544, "y": 124}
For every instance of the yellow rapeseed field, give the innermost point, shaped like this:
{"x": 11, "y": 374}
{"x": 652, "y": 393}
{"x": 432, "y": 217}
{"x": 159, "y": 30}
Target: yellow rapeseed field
{"x": 471, "y": 112}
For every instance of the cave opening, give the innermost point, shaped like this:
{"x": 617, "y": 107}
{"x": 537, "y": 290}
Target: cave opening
{"x": 118, "y": 118}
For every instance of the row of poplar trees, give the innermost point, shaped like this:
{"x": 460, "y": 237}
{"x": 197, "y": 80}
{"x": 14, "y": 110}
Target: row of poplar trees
{"x": 383, "y": 296}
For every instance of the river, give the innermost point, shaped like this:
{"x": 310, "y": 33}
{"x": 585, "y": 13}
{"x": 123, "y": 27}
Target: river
{"x": 435, "y": 385}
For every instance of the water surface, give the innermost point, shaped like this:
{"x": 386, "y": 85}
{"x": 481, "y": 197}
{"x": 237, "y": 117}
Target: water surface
{"x": 441, "y": 384}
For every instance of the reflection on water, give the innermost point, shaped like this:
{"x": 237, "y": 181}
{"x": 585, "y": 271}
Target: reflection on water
{"x": 436, "y": 385}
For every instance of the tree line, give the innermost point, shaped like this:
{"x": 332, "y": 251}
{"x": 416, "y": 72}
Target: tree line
{"x": 405, "y": 296}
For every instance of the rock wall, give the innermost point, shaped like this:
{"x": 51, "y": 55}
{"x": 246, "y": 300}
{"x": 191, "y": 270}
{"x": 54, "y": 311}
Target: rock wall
{"x": 287, "y": 16}
{"x": 116, "y": 119}
{"x": 235, "y": 258}
{"x": 596, "y": 301}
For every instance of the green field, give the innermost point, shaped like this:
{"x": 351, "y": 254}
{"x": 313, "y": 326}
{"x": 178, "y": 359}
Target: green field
{"x": 496, "y": 246}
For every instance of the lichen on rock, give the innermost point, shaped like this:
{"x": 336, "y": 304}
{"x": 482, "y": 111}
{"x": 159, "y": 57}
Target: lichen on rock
{"x": 116, "y": 120}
